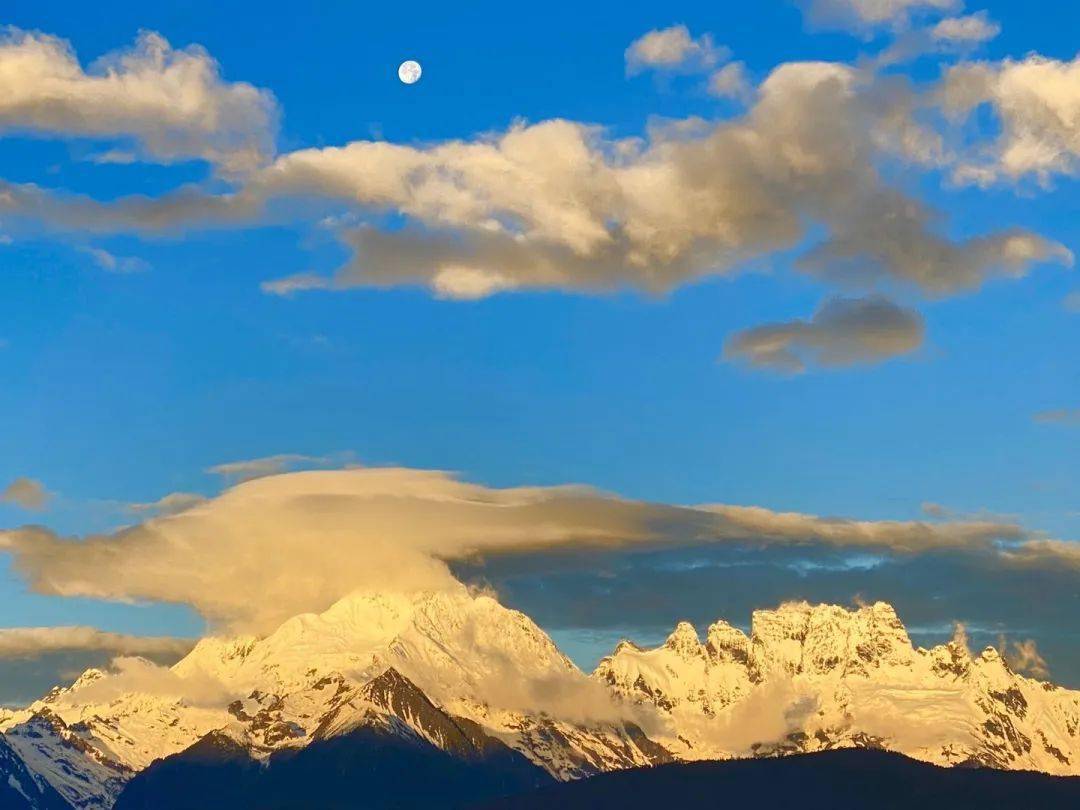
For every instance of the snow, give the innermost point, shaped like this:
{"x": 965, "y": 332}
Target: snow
{"x": 847, "y": 677}
{"x": 805, "y": 678}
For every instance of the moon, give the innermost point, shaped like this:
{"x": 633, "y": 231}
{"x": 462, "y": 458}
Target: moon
{"x": 409, "y": 71}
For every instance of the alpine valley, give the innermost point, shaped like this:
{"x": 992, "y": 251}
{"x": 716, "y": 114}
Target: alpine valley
{"x": 448, "y": 698}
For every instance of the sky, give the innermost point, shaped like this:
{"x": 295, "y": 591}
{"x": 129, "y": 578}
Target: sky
{"x": 810, "y": 257}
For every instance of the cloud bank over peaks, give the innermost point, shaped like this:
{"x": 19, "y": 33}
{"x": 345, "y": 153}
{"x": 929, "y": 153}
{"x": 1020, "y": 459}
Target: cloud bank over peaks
{"x": 277, "y": 546}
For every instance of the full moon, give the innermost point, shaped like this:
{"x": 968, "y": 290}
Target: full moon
{"x": 409, "y": 72}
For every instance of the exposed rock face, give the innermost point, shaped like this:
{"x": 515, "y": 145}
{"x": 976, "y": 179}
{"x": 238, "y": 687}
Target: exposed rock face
{"x": 822, "y": 677}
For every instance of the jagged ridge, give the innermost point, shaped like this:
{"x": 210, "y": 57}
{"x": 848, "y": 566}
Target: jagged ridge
{"x": 431, "y": 672}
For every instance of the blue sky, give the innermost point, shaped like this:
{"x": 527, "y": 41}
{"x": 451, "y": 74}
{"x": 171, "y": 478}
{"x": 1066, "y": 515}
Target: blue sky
{"x": 121, "y": 387}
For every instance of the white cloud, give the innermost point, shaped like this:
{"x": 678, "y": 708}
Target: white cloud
{"x": 172, "y": 103}
{"x": 843, "y": 332}
{"x": 673, "y": 49}
{"x": 26, "y": 493}
{"x": 33, "y": 642}
{"x": 970, "y": 28}
{"x": 464, "y": 283}
{"x": 134, "y": 675}
{"x": 281, "y": 545}
{"x": 731, "y": 81}
{"x": 1037, "y": 102}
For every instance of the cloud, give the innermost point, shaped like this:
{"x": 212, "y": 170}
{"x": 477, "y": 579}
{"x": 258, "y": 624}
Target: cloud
{"x": 1023, "y": 657}
{"x": 131, "y": 675}
{"x": 1059, "y": 416}
{"x": 172, "y": 104}
{"x": 751, "y": 522}
{"x": 26, "y": 493}
{"x": 865, "y": 15}
{"x": 972, "y": 28}
{"x": 34, "y": 642}
{"x": 27, "y": 205}
{"x": 277, "y": 546}
{"x": 302, "y": 282}
{"x": 562, "y": 204}
{"x": 672, "y": 49}
{"x": 267, "y": 465}
{"x": 1037, "y": 104}
{"x": 843, "y": 332}
{"x": 937, "y": 511}
{"x": 115, "y": 264}
{"x": 731, "y": 81}
{"x": 558, "y": 205}
{"x": 170, "y": 504}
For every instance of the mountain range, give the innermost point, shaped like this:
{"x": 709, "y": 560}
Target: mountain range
{"x": 448, "y": 697}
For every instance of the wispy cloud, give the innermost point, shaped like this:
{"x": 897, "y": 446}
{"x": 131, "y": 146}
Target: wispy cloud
{"x": 1059, "y": 416}
{"x": 169, "y": 504}
{"x": 32, "y": 642}
{"x": 112, "y": 263}
{"x": 248, "y": 469}
{"x": 1024, "y": 657}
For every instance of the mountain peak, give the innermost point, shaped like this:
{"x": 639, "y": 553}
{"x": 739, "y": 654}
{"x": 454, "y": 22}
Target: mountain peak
{"x": 684, "y": 640}
{"x": 726, "y": 643}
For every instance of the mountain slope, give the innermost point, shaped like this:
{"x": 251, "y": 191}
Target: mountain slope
{"x": 831, "y": 780}
{"x": 811, "y": 678}
{"x": 376, "y": 760}
{"x": 21, "y": 789}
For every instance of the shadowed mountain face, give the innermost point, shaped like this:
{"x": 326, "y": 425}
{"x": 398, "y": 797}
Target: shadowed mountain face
{"x": 368, "y": 767}
{"x": 832, "y": 780}
{"x": 22, "y": 790}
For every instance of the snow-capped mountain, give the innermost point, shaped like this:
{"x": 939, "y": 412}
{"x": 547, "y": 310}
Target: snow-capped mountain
{"x": 321, "y": 675}
{"x": 811, "y": 678}
{"x": 458, "y": 673}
